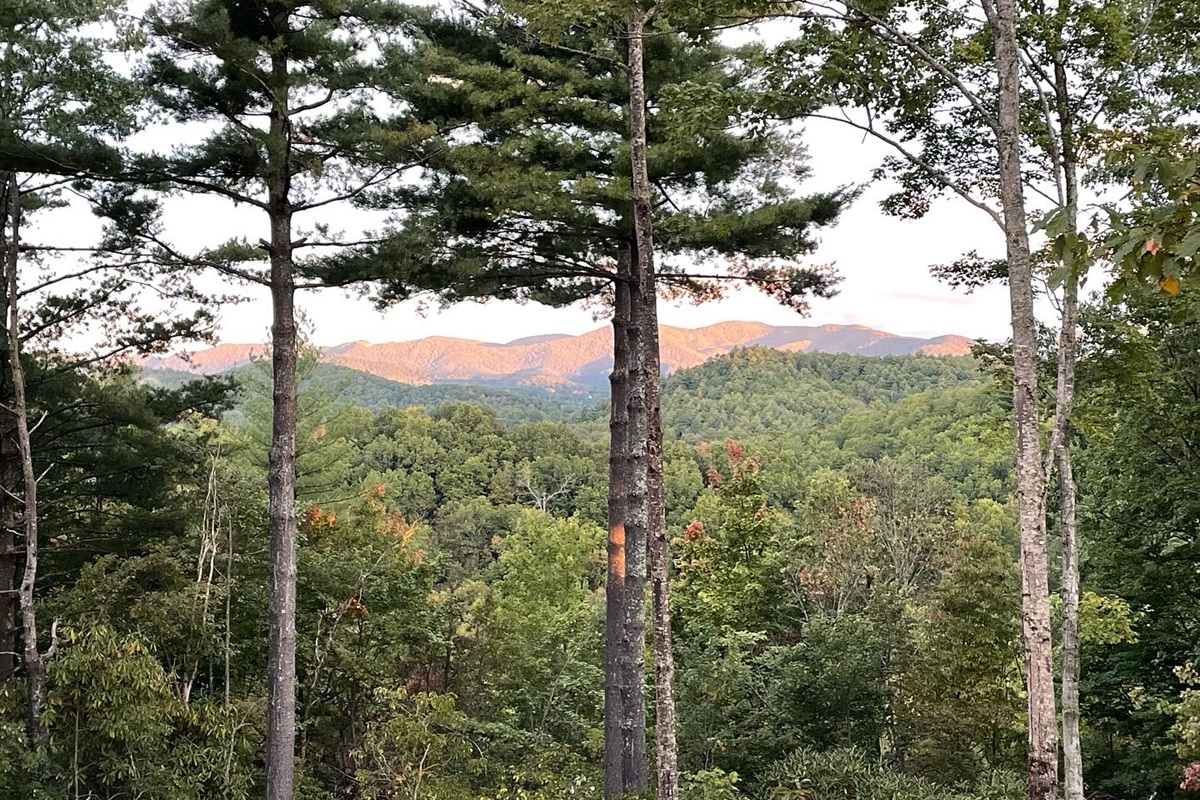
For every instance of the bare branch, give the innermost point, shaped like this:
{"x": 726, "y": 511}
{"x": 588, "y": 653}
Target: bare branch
{"x": 921, "y": 163}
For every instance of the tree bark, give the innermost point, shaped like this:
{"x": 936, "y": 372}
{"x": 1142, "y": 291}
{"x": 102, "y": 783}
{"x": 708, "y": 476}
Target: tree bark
{"x": 617, "y": 663}
{"x": 281, "y": 458}
{"x": 633, "y": 709}
{"x": 1064, "y": 403}
{"x": 1072, "y": 748}
{"x": 10, "y": 460}
{"x": 8, "y": 555}
{"x": 1031, "y": 478}
{"x": 32, "y": 658}
{"x": 10, "y": 492}
{"x": 647, "y": 448}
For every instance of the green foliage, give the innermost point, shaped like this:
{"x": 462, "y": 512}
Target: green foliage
{"x": 18, "y": 765}
{"x": 548, "y": 774}
{"x": 761, "y": 392}
{"x": 1138, "y": 422}
{"x": 513, "y": 404}
{"x": 846, "y": 593}
{"x": 710, "y": 784}
{"x": 963, "y": 697}
{"x": 116, "y": 479}
{"x": 62, "y": 98}
{"x": 324, "y": 425}
{"x": 531, "y": 650}
{"x": 415, "y": 746}
{"x": 859, "y": 593}
{"x": 813, "y": 775}
{"x": 534, "y": 202}
{"x": 122, "y": 728}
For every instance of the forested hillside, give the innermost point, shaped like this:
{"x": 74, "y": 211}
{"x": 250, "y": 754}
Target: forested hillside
{"x": 511, "y": 404}
{"x": 760, "y": 392}
{"x": 846, "y": 591}
{"x": 450, "y": 571}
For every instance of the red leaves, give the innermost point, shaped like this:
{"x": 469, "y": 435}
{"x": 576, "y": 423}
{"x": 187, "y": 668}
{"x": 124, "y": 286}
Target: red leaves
{"x": 316, "y": 521}
{"x": 1191, "y": 778}
{"x": 355, "y": 607}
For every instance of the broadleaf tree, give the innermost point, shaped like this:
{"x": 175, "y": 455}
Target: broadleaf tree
{"x": 1007, "y": 120}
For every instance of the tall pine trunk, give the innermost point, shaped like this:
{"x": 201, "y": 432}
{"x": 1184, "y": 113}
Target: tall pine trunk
{"x": 1031, "y": 478}
{"x": 647, "y": 450}
{"x": 33, "y": 660}
{"x": 281, "y": 458}
{"x": 634, "y": 613}
{"x": 624, "y": 730}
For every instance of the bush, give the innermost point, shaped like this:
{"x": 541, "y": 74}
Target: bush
{"x": 838, "y": 774}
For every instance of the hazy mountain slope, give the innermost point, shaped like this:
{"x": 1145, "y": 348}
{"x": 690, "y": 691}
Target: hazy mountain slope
{"x": 511, "y": 405}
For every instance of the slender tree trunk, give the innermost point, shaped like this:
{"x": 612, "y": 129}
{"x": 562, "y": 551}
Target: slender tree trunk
{"x": 33, "y": 660}
{"x": 1064, "y": 403}
{"x": 1072, "y": 748}
{"x": 10, "y": 459}
{"x": 1031, "y": 477}
{"x": 8, "y": 563}
{"x": 648, "y": 450}
{"x": 228, "y": 654}
{"x": 281, "y": 461}
{"x": 617, "y": 664}
{"x": 10, "y": 490}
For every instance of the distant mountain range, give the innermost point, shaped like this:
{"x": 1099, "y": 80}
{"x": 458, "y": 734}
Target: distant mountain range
{"x": 560, "y": 360}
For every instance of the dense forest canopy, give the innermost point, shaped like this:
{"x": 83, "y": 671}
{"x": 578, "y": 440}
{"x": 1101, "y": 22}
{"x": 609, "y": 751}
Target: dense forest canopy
{"x": 776, "y": 575}
{"x": 846, "y": 589}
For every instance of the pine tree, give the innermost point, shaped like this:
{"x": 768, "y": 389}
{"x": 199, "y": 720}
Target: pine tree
{"x": 531, "y": 196}
{"x": 292, "y": 90}
{"x": 60, "y": 104}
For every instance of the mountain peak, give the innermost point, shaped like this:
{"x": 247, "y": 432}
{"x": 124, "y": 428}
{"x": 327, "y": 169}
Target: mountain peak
{"x": 565, "y": 360}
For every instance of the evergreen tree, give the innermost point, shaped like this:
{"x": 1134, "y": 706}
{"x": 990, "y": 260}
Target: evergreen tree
{"x": 292, "y": 90}
{"x": 61, "y": 104}
{"x": 531, "y": 197}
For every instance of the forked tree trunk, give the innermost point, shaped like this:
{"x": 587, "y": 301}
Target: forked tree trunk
{"x": 621, "y": 729}
{"x": 1031, "y": 478}
{"x": 33, "y": 660}
{"x": 647, "y": 449}
{"x": 281, "y": 461}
